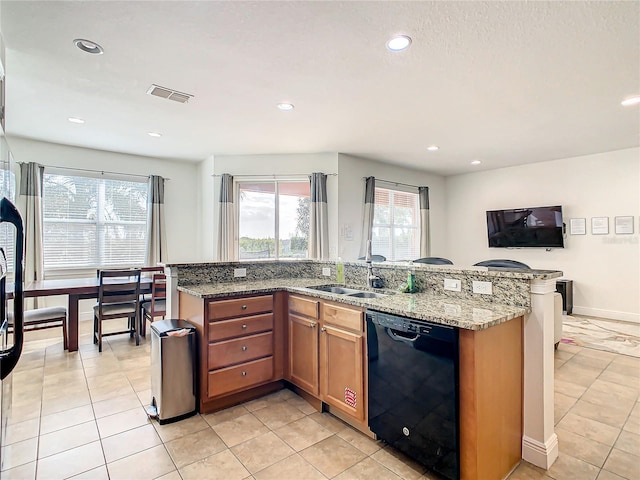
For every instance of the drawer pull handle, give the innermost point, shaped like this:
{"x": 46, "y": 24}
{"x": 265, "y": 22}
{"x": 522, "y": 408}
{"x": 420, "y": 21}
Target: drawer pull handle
{"x": 323, "y": 329}
{"x": 312, "y": 325}
{"x": 244, "y": 374}
{"x": 244, "y": 348}
{"x": 244, "y": 307}
{"x": 244, "y": 326}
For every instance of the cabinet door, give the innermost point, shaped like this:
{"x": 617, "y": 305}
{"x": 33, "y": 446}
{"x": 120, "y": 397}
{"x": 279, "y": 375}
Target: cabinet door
{"x": 303, "y": 353}
{"x": 342, "y": 370}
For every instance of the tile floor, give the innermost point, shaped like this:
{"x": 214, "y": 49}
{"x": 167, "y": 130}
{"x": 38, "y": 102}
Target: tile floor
{"x": 81, "y": 415}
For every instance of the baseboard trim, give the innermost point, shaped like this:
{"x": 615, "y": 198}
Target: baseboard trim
{"x": 540, "y": 454}
{"x": 609, "y": 314}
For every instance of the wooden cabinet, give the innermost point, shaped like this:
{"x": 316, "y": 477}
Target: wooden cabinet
{"x": 326, "y": 354}
{"x": 241, "y": 348}
{"x": 303, "y": 343}
{"x": 342, "y": 360}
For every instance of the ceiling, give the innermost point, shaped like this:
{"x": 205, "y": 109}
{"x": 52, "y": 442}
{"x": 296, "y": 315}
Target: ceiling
{"x": 507, "y": 83}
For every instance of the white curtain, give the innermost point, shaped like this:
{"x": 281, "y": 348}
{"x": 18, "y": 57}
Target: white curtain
{"x": 318, "y": 222}
{"x": 227, "y": 226}
{"x": 425, "y": 246}
{"x": 367, "y": 223}
{"x": 156, "y": 228}
{"x": 31, "y": 179}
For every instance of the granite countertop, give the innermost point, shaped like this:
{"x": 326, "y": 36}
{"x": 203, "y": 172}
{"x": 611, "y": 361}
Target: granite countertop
{"x": 457, "y": 312}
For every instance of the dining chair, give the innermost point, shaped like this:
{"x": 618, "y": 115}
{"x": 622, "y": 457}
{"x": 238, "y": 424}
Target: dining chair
{"x": 118, "y": 298}
{"x": 375, "y": 258}
{"x": 157, "y": 306}
{"x": 42, "y": 318}
{"x": 434, "y": 261}
{"x": 502, "y": 263}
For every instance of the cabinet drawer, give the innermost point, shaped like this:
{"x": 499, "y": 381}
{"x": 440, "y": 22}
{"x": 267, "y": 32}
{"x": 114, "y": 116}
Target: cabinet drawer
{"x": 242, "y": 376}
{"x": 240, "y": 350}
{"x": 304, "y": 306}
{"x": 342, "y": 317}
{"x": 240, "y": 307}
{"x": 224, "y": 329}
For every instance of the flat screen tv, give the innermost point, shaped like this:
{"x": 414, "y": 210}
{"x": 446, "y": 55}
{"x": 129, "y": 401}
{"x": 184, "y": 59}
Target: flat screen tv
{"x": 526, "y": 227}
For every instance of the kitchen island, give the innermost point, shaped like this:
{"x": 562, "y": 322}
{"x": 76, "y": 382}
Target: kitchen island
{"x": 276, "y": 320}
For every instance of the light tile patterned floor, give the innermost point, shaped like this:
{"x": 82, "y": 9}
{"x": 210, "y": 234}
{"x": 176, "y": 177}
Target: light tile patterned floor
{"x": 81, "y": 415}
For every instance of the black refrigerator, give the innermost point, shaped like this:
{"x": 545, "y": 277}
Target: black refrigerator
{"x": 10, "y": 350}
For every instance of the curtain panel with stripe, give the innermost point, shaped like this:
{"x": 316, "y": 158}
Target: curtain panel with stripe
{"x": 425, "y": 242}
{"x": 367, "y": 219}
{"x": 227, "y": 225}
{"x": 156, "y": 225}
{"x": 318, "y": 221}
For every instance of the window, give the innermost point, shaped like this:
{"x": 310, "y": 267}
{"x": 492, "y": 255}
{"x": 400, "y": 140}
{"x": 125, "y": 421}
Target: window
{"x": 396, "y": 225}
{"x": 8, "y": 231}
{"x": 93, "y": 222}
{"x": 273, "y": 213}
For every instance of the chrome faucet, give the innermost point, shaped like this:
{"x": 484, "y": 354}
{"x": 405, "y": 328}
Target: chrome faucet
{"x": 373, "y": 281}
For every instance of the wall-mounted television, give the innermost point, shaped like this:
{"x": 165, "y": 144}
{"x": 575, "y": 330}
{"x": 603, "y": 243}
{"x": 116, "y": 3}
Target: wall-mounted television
{"x": 526, "y": 227}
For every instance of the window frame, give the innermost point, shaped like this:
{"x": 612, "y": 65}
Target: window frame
{"x": 75, "y": 271}
{"x": 277, "y": 179}
{"x": 392, "y": 187}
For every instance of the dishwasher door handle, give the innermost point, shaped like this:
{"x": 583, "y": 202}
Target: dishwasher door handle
{"x": 401, "y": 338}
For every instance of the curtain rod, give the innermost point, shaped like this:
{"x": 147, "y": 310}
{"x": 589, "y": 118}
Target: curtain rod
{"x": 274, "y": 175}
{"x": 95, "y": 171}
{"x": 393, "y": 183}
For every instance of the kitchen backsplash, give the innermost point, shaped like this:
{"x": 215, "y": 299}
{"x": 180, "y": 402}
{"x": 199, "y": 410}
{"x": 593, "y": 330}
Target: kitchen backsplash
{"x": 508, "y": 287}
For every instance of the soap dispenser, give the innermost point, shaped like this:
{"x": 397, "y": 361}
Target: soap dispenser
{"x": 411, "y": 278}
{"x": 339, "y": 271}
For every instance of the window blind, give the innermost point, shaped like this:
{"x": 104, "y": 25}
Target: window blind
{"x": 93, "y": 222}
{"x": 396, "y": 225}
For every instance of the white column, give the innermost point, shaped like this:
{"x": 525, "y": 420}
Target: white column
{"x": 539, "y": 442}
{"x": 173, "y": 305}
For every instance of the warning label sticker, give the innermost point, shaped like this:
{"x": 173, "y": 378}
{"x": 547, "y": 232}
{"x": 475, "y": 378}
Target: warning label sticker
{"x": 350, "y": 397}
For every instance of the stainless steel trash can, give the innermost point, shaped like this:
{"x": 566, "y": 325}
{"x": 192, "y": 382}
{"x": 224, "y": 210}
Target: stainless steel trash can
{"x": 173, "y": 370}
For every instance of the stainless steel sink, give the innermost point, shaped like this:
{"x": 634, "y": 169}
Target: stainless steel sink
{"x": 350, "y": 292}
{"x": 366, "y": 295}
{"x": 338, "y": 290}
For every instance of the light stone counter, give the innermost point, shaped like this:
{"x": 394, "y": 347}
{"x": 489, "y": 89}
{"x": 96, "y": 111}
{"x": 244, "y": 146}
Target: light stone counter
{"x": 457, "y": 312}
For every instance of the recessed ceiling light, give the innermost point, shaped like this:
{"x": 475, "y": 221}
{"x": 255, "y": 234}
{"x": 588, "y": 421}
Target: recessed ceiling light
{"x": 75, "y": 120}
{"x": 285, "y": 106}
{"x": 433, "y": 148}
{"x": 634, "y": 100}
{"x": 398, "y": 43}
{"x": 476, "y": 162}
{"x": 88, "y": 46}
{"x": 154, "y": 134}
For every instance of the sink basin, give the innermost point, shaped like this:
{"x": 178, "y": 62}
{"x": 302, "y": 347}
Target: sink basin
{"x": 349, "y": 292}
{"x": 338, "y": 290}
{"x": 366, "y": 295}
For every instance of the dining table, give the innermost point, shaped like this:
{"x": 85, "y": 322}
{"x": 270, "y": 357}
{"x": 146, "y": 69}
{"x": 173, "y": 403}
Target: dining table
{"x": 75, "y": 289}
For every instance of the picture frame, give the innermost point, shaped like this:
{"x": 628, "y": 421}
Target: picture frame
{"x": 624, "y": 225}
{"x": 577, "y": 226}
{"x": 599, "y": 225}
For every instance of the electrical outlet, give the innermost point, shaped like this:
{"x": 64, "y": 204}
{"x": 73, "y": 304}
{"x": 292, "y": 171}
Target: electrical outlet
{"x": 326, "y": 272}
{"x": 483, "y": 288}
{"x": 453, "y": 285}
{"x": 239, "y": 272}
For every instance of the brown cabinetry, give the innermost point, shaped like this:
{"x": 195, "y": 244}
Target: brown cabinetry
{"x": 342, "y": 360}
{"x": 240, "y": 351}
{"x": 303, "y": 343}
{"x": 326, "y": 353}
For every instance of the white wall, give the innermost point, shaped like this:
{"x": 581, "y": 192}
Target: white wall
{"x": 280, "y": 165}
{"x": 351, "y": 171}
{"x": 605, "y": 269}
{"x": 181, "y": 197}
{"x": 207, "y": 224}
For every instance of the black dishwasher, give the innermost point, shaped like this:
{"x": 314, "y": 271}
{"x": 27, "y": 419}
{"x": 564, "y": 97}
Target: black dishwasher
{"x": 413, "y": 389}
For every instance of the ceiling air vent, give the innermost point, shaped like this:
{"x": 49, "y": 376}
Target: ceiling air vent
{"x": 164, "y": 92}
